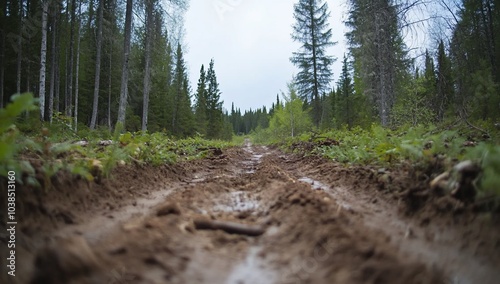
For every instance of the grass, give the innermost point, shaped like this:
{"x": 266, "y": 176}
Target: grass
{"x": 419, "y": 146}
{"x": 25, "y": 142}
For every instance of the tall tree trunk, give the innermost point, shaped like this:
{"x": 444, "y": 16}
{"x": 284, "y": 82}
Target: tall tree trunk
{"x": 77, "y": 71}
{"x": 126, "y": 53}
{"x": 53, "y": 68}
{"x": 95, "y": 104}
{"x": 111, "y": 37}
{"x": 57, "y": 100}
{"x": 110, "y": 83}
{"x": 43, "y": 58}
{"x": 19, "y": 47}
{"x": 66, "y": 81}
{"x": 147, "y": 71}
{"x": 69, "y": 109}
{"x": 28, "y": 61}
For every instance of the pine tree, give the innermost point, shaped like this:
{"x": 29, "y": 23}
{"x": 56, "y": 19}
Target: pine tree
{"x": 182, "y": 117}
{"x": 214, "y": 105}
{"x": 201, "y": 103}
{"x": 312, "y": 31}
{"x": 345, "y": 103}
{"x": 379, "y": 53}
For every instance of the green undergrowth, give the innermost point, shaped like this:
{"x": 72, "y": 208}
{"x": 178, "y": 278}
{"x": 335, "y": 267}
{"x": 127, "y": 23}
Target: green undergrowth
{"x": 421, "y": 147}
{"x": 38, "y": 151}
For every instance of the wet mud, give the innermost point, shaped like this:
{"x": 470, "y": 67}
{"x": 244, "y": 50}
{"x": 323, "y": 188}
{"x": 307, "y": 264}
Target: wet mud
{"x": 266, "y": 217}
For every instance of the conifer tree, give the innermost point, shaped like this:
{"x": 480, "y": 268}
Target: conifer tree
{"x": 345, "y": 105}
{"x": 312, "y": 31}
{"x": 201, "y": 103}
{"x": 214, "y": 105}
{"x": 182, "y": 116}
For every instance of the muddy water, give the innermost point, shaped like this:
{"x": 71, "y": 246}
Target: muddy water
{"x": 252, "y": 270}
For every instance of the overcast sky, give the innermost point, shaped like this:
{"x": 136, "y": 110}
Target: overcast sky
{"x": 250, "y": 43}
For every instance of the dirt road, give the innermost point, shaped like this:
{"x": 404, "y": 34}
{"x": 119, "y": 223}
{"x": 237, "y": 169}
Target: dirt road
{"x": 256, "y": 215}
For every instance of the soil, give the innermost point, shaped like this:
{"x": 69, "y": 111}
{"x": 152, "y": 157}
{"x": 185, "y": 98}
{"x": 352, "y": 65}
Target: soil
{"x": 252, "y": 214}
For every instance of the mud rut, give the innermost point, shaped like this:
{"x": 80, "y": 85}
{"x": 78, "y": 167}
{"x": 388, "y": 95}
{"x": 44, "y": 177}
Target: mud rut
{"x": 321, "y": 226}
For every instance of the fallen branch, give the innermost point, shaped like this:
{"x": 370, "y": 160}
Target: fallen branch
{"x": 229, "y": 227}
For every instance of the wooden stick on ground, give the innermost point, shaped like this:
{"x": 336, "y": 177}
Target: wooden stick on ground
{"x": 229, "y": 227}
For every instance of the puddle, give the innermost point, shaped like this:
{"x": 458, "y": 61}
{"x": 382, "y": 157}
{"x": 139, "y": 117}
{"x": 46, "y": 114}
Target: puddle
{"x": 238, "y": 201}
{"x": 257, "y": 157}
{"x": 335, "y": 193}
{"x": 315, "y": 184}
{"x": 251, "y": 270}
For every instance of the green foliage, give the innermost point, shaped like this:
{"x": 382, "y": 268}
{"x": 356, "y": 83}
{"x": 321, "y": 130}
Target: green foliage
{"x": 9, "y": 134}
{"x": 412, "y": 107}
{"x": 291, "y": 120}
{"x": 488, "y": 157}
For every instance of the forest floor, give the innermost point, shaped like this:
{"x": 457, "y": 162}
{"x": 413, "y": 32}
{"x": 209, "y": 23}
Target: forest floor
{"x": 251, "y": 214}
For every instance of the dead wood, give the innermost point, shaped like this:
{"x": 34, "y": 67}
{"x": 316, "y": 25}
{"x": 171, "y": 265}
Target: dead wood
{"x": 229, "y": 227}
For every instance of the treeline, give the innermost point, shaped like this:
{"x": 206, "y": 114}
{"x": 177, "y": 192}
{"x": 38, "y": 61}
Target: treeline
{"x": 455, "y": 80}
{"x": 96, "y": 63}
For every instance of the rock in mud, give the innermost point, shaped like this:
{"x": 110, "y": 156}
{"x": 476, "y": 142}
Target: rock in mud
{"x": 168, "y": 208}
{"x": 68, "y": 260}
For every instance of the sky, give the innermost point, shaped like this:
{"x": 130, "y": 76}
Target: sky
{"x": 250, "y": 43}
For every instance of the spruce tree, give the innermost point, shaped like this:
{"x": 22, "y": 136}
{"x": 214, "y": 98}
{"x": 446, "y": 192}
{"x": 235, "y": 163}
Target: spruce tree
{"x": 201, "y": 103}
{"x": 345, "y": 107}
{"x": 214, "y": 105}
{"x": 312, "y": 31}
{"x": 182, "y": 117}
{"x": 379, "y": 53}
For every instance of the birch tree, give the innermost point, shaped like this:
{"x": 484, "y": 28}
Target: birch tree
{"x": 43, "y": 58}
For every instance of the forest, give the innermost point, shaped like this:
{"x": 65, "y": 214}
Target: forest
{"x": 102, "y": 62}
{"x": 102, "y": 66}
{"x": 117, "y": 167}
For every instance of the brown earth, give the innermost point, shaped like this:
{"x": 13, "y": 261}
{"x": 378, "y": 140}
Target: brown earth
{"x": 252, "y": 215}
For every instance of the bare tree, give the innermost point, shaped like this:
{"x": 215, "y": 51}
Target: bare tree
{"x": 95, "y": 104}
{"x": 126, "y": 53}
{"x": 43, "y": 58}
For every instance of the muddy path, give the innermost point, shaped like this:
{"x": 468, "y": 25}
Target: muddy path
{"x": 255, "y": 215}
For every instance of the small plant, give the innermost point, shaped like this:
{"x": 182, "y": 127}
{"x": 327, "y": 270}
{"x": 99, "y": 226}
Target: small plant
{"x": 10, "y": 136}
